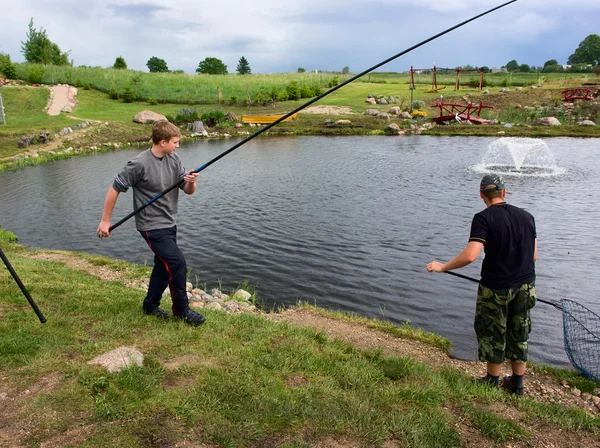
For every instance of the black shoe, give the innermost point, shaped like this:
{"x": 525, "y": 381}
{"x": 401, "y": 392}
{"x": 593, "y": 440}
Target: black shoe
{"x": 161, "y": 314}
{"x": 488, "y": 380}
{"x": 192, "y": 318}
{"x": 509, "y": 385}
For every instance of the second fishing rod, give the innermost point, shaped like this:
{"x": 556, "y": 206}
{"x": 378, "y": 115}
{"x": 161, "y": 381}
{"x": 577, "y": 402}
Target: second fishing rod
{"x": 299, "y": 108}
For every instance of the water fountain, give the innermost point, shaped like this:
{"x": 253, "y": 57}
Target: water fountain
{"x": 519, "y": 156}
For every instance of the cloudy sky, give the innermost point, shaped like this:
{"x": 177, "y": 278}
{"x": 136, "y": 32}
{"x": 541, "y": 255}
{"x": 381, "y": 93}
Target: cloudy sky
{"x": 280, "y": 36}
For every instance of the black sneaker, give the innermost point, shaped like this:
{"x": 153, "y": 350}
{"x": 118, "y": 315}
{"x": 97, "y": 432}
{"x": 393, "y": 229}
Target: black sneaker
{"x": 157, "y": 312}
{"x": 193, "y": 318}
{"x": 488, "y": 380}
{"x": 509, "y": 385}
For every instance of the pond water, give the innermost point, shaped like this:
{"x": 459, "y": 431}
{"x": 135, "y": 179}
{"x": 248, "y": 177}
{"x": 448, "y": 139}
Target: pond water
{"x": 347, "y": 223}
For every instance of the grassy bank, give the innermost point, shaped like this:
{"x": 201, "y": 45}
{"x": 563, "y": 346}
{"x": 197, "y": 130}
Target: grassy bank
{"x": 239, "y": 380}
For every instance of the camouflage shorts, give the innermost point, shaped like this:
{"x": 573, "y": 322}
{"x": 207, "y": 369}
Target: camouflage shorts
{"x": 502, "y": 322}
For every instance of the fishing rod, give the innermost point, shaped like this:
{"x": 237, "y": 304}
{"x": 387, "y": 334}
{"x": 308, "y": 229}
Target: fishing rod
{"x": 299, "y": 108}
{"x": 23, "y": 289}
{"x": 548, "y": 302}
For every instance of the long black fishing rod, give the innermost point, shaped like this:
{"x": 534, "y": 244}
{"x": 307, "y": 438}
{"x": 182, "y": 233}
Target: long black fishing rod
{"x": 548, "y": 302}
{"x": 276, "y": 122}
{"x": 23, "y": 289}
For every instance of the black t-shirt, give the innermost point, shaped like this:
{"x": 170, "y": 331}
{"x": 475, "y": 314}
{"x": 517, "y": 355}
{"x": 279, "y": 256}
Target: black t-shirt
{"x": 508, "y": 236}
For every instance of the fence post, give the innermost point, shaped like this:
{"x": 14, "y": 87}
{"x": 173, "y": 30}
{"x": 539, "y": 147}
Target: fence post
{"x": 2, "y": 115}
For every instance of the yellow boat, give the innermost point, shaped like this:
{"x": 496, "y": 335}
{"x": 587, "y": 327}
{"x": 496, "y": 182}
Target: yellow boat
{"x": 265, "y": 119}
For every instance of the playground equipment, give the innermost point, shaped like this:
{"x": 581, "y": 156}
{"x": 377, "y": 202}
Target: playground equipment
{"x": 434, "y": 86}
{"x": 459, "y": 112}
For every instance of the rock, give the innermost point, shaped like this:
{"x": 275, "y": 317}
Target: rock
{"x": 564, "y": 384}
{"x": 382, "y": 101}
{"x": 230, "y": 116}
{"x": 328, "y": 122}
{"x": 518, "y": 106}
{"x": 214, "y": 306}
{"x": 373, "y": 112}
{"x": 239, "y": 125}
{"x": 546, "y": 121}
{"x": 485, "y": 92}
{"x": 586, "y": 123}
{"x": 576, "y": 392}
{"x": 197, "y": 291}
{"x": 392, "y": 129}
{"x": 189, "y": 286}
{"x": 67, "y": 109}
{"x": 394, "y": 110}
{"x": 242, "y": 294}
{"x": 343, "y": 122}
{"x": 534, "y": 87}
{"x": 383, "y": 116}
{"x": 148, "y": 117}
{"x": 119, "y": 359}
{"x": 371, "y": 100}
{"x": 406, "y": 115}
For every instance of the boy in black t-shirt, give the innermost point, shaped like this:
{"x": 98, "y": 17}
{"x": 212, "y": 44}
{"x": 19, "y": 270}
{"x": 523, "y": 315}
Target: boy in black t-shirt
{"x": 506, "y": 291}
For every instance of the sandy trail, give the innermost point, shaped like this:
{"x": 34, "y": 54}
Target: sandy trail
{"x": 60, "y": 99}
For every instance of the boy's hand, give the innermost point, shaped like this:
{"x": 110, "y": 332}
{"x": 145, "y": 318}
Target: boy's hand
{"x": 191, "y": 176}
{"x": 435, "y": 266}
{"x": 102, "y": 230}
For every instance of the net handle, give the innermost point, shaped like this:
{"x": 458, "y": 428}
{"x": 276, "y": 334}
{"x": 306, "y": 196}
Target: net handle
{"x": 555, "y": 304}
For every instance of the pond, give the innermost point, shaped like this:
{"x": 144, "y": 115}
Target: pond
{"x": 346, "y": 223}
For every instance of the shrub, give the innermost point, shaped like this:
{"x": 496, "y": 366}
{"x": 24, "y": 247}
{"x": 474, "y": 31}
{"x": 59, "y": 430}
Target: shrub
{"x": 152, "y": 101}
{"x": 333, "y": 82}
{"x": 7, "y": 236}
{"x": 35, "y": 74}
{"x": 282, "y": 95}
{"x": 170, "y": 118}
{"x": 504, "y": 82}
{"x": 128, "y": 95}
{"x": 86, "y": 86}
{"x": 263, "y": 96}
{"x": 418, "y": 104}
{"x": 293, "y": 91}
{"x": 306, "y": 92}
{"x": 316, "y": 88}
{"x": 233, "y": 100}
{"x": 213, "y": 118}
{"x": 186, "y": 115}
{"x": 113, "y": 94}
{"x": 7, "y": 67}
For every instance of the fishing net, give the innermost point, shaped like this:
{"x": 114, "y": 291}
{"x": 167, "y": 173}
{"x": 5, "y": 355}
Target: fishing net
{"x": 582, "y": 338}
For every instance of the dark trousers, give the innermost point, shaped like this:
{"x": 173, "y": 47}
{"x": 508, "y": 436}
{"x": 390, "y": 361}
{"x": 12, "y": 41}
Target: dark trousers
{"x": 169, "y": 270}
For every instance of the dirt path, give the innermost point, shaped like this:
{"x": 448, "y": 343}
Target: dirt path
{"x": 60, "y": 96}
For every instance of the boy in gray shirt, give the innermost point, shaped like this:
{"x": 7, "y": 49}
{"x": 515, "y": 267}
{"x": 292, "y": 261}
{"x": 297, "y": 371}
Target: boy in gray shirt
{"x": 150, "y": 173}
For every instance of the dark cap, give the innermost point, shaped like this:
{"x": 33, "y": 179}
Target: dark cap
{"x": 491, "y": 182}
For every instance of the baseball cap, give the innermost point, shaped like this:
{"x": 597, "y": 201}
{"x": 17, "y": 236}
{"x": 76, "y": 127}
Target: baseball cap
{"x": 491, "y": 179}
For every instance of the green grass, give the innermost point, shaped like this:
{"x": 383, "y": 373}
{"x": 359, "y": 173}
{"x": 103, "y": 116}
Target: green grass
{"x": 247, "y": 381}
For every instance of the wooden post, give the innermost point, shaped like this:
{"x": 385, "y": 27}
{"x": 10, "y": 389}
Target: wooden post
{"x": 2, "y": 115}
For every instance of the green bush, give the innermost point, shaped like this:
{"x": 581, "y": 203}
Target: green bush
{"x": 233, "y": 100}
{"x": 128, "y": 95}
{"x": 316, "y": 88}
{"x": 113, "y": 94}
{"x": 170, "y": 118}
{"x": 293, "y": 91}
{"x": 333, "y": 82}
{"x": 283, "y": 95}
{"x": 86, "y": 86}
{"x": 306, "y": 92}
{"x": 7, "y": 237}
{"x": 213, "y": 118}
{"x": 504, "y": 82}
{"x": 152, "y": 101}
{"x": 418, "y": 104}
{"x": 186, "y": 115}
{"x": 35, "y": 74}
{"x": 7, "y": 68}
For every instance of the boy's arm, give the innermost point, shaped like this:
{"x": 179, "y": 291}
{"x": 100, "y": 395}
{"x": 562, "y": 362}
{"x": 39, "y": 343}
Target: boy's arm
{"x": 467, "y": 256}
{"x": 190, "y": 182}
{"x": 109, "y": 205}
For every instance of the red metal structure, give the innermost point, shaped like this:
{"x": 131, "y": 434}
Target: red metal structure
{"x": 580, "y": 93}
{"x": 462, "y": 111}
{"x": 460, "y": 70}
{"x": 434, "y": 86}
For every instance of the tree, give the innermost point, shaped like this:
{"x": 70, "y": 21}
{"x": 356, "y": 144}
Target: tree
{"x": 120, "y": 63}
{"x": 39, "y": 49}
{"x": 550, "y": 62}
{"x": 7, "y": 68}
{"x": 346, "y": 70}
{"x": 524, "y": 68}
{"x": 301, "y": 70}
{"x": 212, "y": 66}
{"x": 512, "y": 66}
{"x": 243, "y": 67}
{"x": 155, "y": 64}
{"x": 588, "y": 51}
{"x": 485, "y": 69}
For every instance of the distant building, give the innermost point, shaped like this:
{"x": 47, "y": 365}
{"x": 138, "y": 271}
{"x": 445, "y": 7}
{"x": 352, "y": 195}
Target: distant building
{"x": 499, "y": 70}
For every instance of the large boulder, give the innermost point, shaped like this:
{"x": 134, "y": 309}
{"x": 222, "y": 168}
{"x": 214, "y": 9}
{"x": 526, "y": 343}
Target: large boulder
{"x": 546, "y": 121}
{"x": 148, "y": 117}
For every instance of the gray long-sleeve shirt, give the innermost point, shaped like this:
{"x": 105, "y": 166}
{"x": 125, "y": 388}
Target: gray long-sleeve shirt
{"x": 149, "y": 176}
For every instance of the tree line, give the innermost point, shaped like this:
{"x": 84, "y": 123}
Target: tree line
{"x": 38, "y": 48}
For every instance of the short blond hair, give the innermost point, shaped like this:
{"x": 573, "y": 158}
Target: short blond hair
{"x": 163, "y": 130}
